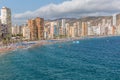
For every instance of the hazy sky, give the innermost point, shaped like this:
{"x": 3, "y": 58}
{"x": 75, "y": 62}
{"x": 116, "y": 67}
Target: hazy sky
{"x": 22, "y": 10}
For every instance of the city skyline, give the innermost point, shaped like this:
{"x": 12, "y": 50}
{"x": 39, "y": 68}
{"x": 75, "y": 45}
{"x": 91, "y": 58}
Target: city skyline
{"x": 59, "y": 9}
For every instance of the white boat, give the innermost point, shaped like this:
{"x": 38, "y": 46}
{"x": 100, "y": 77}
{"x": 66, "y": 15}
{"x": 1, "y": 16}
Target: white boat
{"x": 77, "y": 42}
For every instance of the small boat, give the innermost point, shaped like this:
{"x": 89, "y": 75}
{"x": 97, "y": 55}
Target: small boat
{"x": 77, "y": 42}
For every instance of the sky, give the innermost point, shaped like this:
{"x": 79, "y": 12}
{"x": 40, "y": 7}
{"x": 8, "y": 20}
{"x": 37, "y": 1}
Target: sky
{"x": 22, "y": 10}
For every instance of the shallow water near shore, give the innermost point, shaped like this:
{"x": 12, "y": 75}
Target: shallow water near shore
{"x": 90, "y": 59}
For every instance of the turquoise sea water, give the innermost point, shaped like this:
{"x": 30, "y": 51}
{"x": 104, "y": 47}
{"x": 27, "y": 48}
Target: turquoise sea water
{"x": 90, "y": 59}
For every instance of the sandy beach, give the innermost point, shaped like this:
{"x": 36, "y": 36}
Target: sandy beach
{"x": 22, "y": 45}
{"x": 31, "y": 44}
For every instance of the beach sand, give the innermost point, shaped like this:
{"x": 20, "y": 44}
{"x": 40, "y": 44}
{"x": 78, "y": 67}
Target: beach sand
{"x": 5, "y": 49}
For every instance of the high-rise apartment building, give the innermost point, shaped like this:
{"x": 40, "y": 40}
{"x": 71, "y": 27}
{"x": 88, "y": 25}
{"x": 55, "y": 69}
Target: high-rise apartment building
{"x": 90, "y": 29}
{"x": 0, "y": 28}
{"x": 33, "y": 29}
{"x": 84, "y": 29}
{"x": 6, "y": 18}
{"x": 67, "y": 27}
{"x": 26, "y": 32}
{"x": 36, "y": 28}
{"x": 39, "y": 22}
{"x": 118, "y": 19}
{"x": 103, "y": 27}
{"x": 118, "y": 24}
{"x": 54, "y": 29}
{"x": 14, "y": 30}
{"x": 63, "y": 27}
{"x": 114, "y": 20}
{"x": 79, "y": 28}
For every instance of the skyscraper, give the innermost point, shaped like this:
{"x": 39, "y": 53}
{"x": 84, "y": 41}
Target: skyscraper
{"x": 6, "y": 18}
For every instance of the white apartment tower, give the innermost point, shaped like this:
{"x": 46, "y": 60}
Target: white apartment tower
{"x": 63, "y": 26}
{"x": 6, "y": 18}
{"x": 114, "y": 20}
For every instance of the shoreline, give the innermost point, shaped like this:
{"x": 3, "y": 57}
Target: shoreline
{"x": 31, "y": 44}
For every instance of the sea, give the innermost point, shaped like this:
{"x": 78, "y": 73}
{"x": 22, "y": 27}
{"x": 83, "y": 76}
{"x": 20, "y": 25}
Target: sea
{"x": 86, "y": 59}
